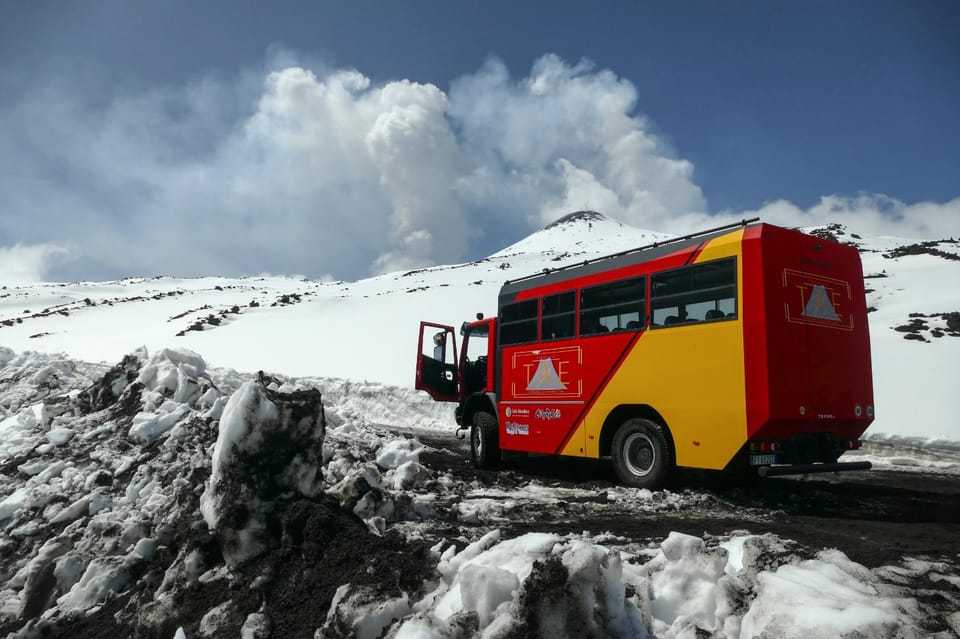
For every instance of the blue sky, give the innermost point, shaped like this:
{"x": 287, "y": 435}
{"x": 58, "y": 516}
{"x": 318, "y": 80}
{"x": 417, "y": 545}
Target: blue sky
{"x": 758, "y": 107}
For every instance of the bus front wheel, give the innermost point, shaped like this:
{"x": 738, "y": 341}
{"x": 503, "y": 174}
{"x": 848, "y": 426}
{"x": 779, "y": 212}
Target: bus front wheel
{"x": 484, "y": 447}
{"x": 641, "y": 452}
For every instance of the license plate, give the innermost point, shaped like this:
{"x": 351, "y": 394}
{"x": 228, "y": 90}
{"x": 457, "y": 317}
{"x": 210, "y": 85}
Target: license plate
{"x": 762, "y": 460}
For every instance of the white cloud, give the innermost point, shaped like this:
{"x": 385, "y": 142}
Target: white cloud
{"x": 326, "y": 173}
{"x": 868, "y": 214}
{"x": 567, "y": 138}
{"x": 418, "y": 160}
{"x": 24, "y": 264}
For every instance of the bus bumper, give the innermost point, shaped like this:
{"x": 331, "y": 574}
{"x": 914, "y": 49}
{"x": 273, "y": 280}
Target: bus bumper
{"x": 804, "y": 469}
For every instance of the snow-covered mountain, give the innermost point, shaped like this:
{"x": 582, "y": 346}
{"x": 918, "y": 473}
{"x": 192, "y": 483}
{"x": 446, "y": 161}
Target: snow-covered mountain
{"x": 366, "y": 330}
{"x": 149, "y": 489}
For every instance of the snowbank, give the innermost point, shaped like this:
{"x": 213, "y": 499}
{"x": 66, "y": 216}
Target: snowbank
{"x": 368, "y": 532}
{"x": 551, "y": 586}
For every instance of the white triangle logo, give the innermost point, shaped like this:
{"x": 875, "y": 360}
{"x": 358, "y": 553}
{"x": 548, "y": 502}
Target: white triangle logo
{"x": 546, "y": 378}
{"x": 819, "y": 305}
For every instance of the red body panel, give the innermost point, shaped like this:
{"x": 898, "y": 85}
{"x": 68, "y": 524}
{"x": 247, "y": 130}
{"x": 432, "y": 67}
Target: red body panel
{"x": 806, "y": 339}
{"x": 539, "y": 405}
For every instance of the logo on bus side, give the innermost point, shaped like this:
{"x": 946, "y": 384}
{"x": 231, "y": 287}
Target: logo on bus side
{"x": 553, "y": 372}
{"x": 546, "y": 378}
{"x": 817, "y": 300}
{"x": 548, "y": 414}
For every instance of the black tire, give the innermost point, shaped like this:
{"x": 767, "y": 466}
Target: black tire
{"x": 484, "y": 443}
{"x": 642, "y": 453}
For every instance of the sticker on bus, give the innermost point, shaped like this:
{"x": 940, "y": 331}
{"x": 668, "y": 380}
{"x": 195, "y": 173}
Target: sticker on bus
{"x": 817, "y": 300}
{"x": 513, "y": 428}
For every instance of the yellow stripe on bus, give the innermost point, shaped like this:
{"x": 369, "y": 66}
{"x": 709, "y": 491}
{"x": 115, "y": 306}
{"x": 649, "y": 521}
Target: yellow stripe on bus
{"x": 693, "y": 375}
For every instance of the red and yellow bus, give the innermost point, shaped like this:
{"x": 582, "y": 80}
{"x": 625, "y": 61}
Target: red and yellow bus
{"x": 744, "y": 346}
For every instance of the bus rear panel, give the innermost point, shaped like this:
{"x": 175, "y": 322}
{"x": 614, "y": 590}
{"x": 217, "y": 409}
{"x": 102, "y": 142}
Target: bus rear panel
{"x": 806, "y": 345}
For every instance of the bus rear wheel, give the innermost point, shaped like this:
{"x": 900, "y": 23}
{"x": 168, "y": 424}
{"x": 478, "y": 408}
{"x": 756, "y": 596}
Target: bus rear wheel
{"x": 484, "y": 447}
{"x": 642, "y": 454}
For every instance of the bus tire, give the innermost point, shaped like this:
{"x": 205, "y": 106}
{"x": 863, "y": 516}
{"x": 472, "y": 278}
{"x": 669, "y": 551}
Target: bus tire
{"x": 642, "y": 453}
{"x": 484, "y": 444}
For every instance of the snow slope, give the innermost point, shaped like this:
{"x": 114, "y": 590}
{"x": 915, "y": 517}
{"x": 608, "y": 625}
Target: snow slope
{"x": 157, "y": 495}
{"x": 367, "y": 330}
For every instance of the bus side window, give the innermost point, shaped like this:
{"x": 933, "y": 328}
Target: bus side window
{"x": 518, "y": 322}
{"x": 558, "y": 316}
{"x": 703, "y": 292}
{"x": 589, "y": 325}
{"x": 616, "y": 306}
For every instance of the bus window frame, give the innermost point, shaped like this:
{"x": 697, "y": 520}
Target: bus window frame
{"x": 687, "y": 293}
{"x": 544, "y": 316}
{"x": 502, "y": 325}
{"x": 642, "y": 312}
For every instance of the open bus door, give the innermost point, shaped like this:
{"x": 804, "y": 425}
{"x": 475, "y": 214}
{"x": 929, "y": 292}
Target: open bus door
{"x": 437, "y": 362}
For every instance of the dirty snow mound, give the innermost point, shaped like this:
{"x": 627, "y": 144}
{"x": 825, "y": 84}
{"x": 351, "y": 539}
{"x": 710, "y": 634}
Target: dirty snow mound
{"x": 270, "y": 443}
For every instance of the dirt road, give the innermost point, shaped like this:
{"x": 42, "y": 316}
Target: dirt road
{"x": 876, "y": 517}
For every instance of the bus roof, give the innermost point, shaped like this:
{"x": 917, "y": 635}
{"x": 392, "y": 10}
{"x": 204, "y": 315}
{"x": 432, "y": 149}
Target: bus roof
{"x": 616, "y": 260}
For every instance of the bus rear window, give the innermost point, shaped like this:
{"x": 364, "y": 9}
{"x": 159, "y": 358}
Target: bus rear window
{"x": 518, "y": 322}
{"x": 704, "y": 292}
{"x": 613, "y": 307}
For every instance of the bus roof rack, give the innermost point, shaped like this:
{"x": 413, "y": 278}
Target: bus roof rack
{"x": 742, "y": 223}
